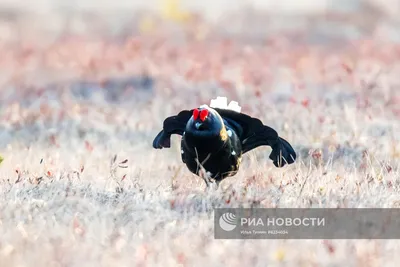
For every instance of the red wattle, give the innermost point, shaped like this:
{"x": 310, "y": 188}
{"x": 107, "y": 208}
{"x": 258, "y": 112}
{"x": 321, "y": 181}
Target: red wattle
{"x": 195, "y": 114}
{"x": 203, "y": 114}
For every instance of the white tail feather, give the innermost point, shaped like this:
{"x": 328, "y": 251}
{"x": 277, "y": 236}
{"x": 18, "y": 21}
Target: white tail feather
{"x": 222, "y": 103}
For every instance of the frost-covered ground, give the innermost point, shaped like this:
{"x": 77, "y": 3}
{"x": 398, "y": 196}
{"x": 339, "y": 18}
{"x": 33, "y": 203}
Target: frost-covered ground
{"x": 81, "y": 185}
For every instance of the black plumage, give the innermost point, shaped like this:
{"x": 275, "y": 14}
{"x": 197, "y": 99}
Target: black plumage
{"x": 214, "y": 140}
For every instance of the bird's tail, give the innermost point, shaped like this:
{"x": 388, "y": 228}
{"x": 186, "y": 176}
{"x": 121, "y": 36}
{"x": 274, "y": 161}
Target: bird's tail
{"x": 221, "y": 102}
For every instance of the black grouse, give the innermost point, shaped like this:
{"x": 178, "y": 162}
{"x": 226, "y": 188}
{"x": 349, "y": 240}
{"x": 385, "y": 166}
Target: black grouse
{"x": 215, "y": 137}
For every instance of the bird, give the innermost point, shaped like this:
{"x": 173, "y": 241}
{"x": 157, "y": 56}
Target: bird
{"x": 216, "y": 136}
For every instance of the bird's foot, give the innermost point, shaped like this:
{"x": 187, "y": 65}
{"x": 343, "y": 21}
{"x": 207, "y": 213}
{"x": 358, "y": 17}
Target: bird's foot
{"x": 210, "y": 182}
{"x": 207, "y": 181}
{"x": 213, "y": 185}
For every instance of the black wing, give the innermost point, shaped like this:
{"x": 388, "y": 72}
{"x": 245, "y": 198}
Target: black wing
{"x": 172, "y": 125}
{"x": 253, "y": 133}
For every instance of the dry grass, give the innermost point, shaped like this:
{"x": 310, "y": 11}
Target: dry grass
{"x": 80, "y": 184}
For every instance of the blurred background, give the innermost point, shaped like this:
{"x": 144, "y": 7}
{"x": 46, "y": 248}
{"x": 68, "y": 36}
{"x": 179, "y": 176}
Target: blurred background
{"x": 65, "y": 62}
{"x": 53, "y": 40}
{"x": 56, "y": 54}
{"x": 276, "y": 58}
{"x": 85, "y": 86}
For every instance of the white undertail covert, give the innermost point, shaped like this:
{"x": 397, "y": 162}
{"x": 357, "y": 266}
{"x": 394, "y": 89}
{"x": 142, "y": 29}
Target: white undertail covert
{"x": 222, "y": 103}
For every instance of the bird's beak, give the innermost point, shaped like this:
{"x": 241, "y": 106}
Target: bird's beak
{"x": 198, "y": 125}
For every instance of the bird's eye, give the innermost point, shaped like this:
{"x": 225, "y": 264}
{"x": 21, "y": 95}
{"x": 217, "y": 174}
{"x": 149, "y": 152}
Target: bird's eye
{"x": 195, "y": 114}
{"x": 203, "y": 114}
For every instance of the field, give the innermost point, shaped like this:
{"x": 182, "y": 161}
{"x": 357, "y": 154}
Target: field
{"x": 83, "y": 95}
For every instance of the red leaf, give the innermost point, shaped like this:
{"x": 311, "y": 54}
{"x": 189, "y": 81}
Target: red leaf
{"x": 305, "y": 103}
{"x": 88, "y": 146}
{"x": 181, "y": 259}
{"x": 347, "y": 68}
{"x": 172, "y": 203}
{"x": 389, "y": 168}
{"x": 53, "y": 140}
{"x": 329, "y": 246}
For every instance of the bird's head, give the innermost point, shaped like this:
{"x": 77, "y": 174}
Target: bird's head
{"x": 206, "y": 122}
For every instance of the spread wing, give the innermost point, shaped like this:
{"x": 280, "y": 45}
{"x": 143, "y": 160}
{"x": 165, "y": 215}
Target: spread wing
{"x": 172, "y": 125}
{"x": 253, "y": 133}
